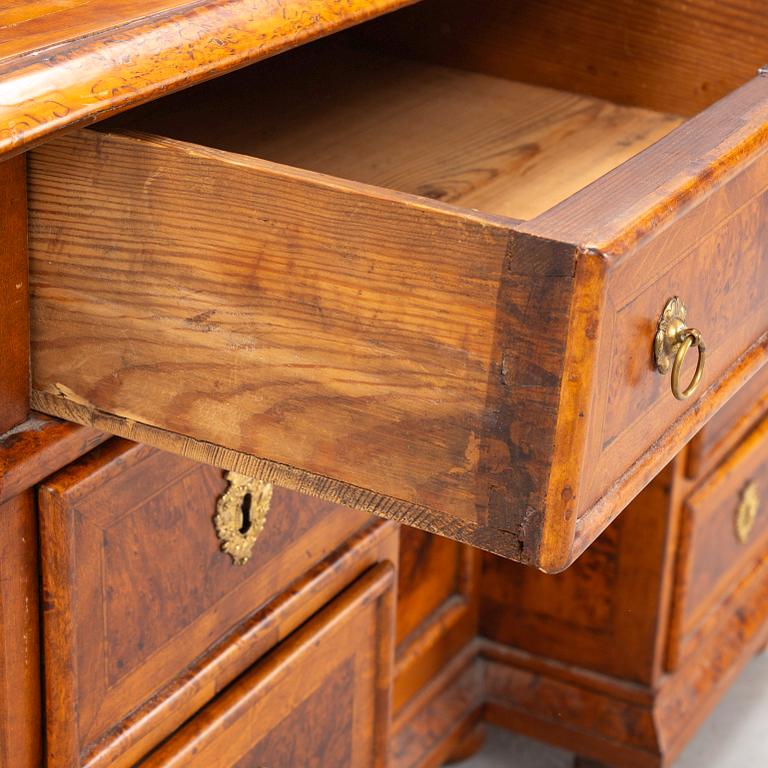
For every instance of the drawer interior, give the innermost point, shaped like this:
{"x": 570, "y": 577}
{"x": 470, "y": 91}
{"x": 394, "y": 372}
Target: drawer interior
{"x": 477, "y": 141}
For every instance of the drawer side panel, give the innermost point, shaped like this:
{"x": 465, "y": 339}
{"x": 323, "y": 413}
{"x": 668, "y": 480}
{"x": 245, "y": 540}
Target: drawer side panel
{"x": 350, "y": 342}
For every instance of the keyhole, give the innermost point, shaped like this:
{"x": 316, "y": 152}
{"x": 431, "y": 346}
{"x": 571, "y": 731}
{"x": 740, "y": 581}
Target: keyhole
{"x": 245, "y": 509}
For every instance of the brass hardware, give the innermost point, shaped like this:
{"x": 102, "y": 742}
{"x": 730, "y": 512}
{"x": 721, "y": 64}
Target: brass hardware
{"x": 240, "y": 515}
{"x": 672, "y": 342}
{"x": 746, "y": 512}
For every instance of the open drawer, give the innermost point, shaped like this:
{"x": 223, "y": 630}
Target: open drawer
{"x": 421, "y": 291}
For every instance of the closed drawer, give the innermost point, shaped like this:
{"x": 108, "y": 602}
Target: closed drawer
{"x": 728, "y": 427}
{"x": 145, "y": 618}
{"x": 436, "y": 609}
{"x": 724, "y": 535}
{"x": 320, "y": 699}
{"x": 333, "y": 287}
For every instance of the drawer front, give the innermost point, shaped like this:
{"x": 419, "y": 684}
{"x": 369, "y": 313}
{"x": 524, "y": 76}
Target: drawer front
{"x": 724, "y": 533}
{"x": 138, "y": 589}
{"x": 320, "y": 699}
{"x": 688, "y": 217}
{"x": 287, "y": 322}
{"x": 436, "y": 609}
{"x": 726, "y": 429}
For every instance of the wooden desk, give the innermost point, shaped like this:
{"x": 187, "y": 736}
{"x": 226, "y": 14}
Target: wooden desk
{"x": 414, "y": 270}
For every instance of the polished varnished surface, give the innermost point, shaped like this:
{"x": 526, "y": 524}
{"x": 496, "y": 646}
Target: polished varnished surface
{"x": 729, "y": 426}
{"x": 29, "y": 26}
{"x": 621, "y": 657}
{"x": 320, "y": 699}
{"x": 575, "y": 616}
{"x": 436, "y": 610}
{"x": 72, "y": 61}
{"x": 446, "y": 472}
{"x": 680, "y": 219}
{"x": 118, "y": 529}
{"x": 20, "y": 696}
{"x": 27, "y": 454}
{"x": 526, "y": 438}
{"x": 14, "y": 295}
{"x": 712, "y": 558}
{"x": 39, "y": 446}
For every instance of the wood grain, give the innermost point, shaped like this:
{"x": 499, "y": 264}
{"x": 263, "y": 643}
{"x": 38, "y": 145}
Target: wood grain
{"x": 729, "y": 426}
{"x": 39, "y": 446}
{"x": 429, "y": 574}
{"x": 435, "y": 722}
{"x": 401, "y": 401}
{"x": 711, "y": 558}
{"x": 49, "y": 23}
{"x": 513, "y": 406}
{"x": 27, "y": 454}
{"x": 222, "y": 662}
{"x": 619, "y": 723}
{"x": 733, "y": 635}
{"x": 436, "y": 609}
{"x": 484, "y": 143}
{"x": 610, "y": 721}
{"x": 447, "y": 459}
{"x": 657, "y": 224}
{"x": 73, "y": 62}
{"x": 20, "y": 698}
{"x": 603, "y": 612}
{"x": 589, "y": 659}
{"x": 126, "y": 533}
{"x": 14, "y": 295}
{"x": 320, "y": 698}
{"x": 675, "y": 56}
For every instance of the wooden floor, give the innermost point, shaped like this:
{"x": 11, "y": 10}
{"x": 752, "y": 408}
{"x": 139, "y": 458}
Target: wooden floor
{"x": 482, "y": 142}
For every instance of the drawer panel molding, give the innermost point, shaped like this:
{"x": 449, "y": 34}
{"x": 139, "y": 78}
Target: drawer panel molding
{"x": 723, "y": 535}
{"x": 145, "y": 618}
{"x": 321, "y": 698}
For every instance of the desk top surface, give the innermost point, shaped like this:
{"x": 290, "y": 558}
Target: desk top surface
{"x": 70, "y": 62}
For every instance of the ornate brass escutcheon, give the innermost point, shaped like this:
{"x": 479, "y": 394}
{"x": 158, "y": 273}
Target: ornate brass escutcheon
{"x": 746, "y": 512}
{"x": 671, "y": 344}
{"x": 240, "y": 515}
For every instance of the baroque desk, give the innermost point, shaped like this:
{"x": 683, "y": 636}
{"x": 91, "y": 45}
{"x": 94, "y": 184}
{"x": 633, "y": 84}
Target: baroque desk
{"x": 332, "y": 330}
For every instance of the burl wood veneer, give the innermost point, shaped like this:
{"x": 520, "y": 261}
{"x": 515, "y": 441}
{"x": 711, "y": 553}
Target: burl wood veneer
{"x": 321, "y": 699}
{"x": 138, "y": 592}
{"x": 73, "y": 61}
{"x": 621, "y": 657}
{"x": 416, "y": 270}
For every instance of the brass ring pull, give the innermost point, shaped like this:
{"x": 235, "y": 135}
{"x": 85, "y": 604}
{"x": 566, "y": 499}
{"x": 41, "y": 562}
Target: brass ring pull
{"x": 691, "y": 338}
{"x": 673, "y": 341}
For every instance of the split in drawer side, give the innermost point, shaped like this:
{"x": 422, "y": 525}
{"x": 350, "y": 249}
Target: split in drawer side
{"x": 456, "y": 370}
